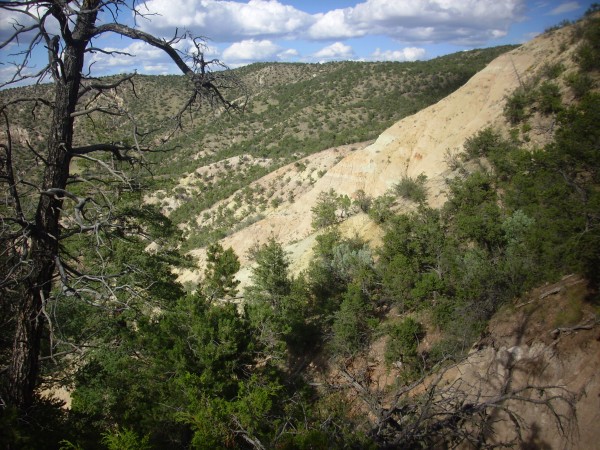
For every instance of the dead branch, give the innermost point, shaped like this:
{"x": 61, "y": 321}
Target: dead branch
{"x": 581, "y": 326}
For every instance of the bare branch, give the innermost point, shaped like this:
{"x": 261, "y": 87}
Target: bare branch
{"x": 8, "y": 163}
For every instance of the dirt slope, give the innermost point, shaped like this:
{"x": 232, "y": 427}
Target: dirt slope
{"x": 417, "y": 144}
{"x": 549, "y": 339}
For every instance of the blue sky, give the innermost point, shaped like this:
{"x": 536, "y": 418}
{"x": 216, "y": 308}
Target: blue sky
{"x": 242, "y": 32}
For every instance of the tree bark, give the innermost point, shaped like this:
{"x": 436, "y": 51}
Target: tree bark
{"x": 23, "y": 368}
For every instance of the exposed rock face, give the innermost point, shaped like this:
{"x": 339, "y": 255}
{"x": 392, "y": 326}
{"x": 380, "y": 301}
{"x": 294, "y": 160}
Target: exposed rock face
{"x": 525, "y": 347}
{"x": 417, "y": 144}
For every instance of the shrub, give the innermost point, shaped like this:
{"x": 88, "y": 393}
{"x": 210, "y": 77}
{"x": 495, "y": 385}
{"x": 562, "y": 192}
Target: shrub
{"x": 516, "y": 104}
{"x": 549, "y": 98}
{"x": 402, "y": 343}
{"x": 381, "y": 209}
{"x": 363, "y": 201}
{"x": 580, "y": 83}
{"x": 412, "y": 189}
{"x": 587, "y": 55}
{"x": 452, "y": 159}
{"x": 125, "y": 440}
{"x": 482, "y": 144}
{"x": 323, "y": 213}
{"x": 351, "y": 328}
{"x": 552, "y": 71}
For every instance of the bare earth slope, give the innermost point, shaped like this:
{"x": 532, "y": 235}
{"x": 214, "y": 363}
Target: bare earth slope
{"x": 417, "y": 144}
{"x": 536, "y": 343}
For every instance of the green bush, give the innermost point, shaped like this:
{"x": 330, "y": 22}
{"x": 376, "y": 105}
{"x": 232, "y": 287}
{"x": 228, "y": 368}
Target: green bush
{"x": 381, "y": 209}
{"x": 580, "y": 83}
{"x": 549, "y": 98}
{"x": 125, "y": 440}
{"x": 351, "y": 328}
{"x": 515, "y": 108}
{"x": 552, "y": 71}
{"x": 587, "y": 55}
{"x": 482, "y": 144}
{"x": 363, "y": 201}
{"x": 330, "y": 208}
{"x": 412, "y": 189}
{"x": 402, "y": 343}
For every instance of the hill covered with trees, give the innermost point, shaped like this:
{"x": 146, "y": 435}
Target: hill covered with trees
{"x": 289, "y": 360}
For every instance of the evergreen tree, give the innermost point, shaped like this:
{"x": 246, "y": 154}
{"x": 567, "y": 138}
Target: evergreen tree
{"x": 219, "y": 276}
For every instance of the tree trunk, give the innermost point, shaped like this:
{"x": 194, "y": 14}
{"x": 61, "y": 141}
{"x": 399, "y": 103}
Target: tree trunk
{"x": 23, "y": 368}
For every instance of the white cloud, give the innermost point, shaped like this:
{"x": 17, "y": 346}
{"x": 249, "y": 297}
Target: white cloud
{"x": 254, "y": 29}
{"x": 336, "y": 24}
{"x": 186, "y": 46}
{"x": 290, "y": 53}
{"x": 565, "y": 8}
{"x": 406, "y": 54}
{"x": 336, "y": 50}
{"x": 461, "y": 22}
{"x": 18, "y": 18}
{"x": 227, "y": 21}
{"x": 158, "y": 69}
{"x": 136, "y": 55}
{"x": 251, "y": 50}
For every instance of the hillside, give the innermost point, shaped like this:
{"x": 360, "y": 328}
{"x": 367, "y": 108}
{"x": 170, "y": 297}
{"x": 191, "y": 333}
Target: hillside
{"x": 289, "y": 111}
{"x": 372, "y": 266}
{"x": 423, "y": 143}
{"x": 519, "y": 339}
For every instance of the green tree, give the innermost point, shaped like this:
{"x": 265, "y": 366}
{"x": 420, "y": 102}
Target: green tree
{"x": 413, "y": 258}
{"x": 325, "y": 210}
{"x": 402, "y": 343}
{"x": 270, "y": 278}
{"x": 39, "y": 225}
{"x": 351, "y": 328}
{"x": 169, "y": 363}
{"x": 515, "y": 108}
{"x": 381, "y": 208}
{"x": 268, "y": 297}
{"x": 362, "y": 201}
{"x": 549, "y": 98}
{"x": 219, "y": 276}
{"x": 474, "y": 212}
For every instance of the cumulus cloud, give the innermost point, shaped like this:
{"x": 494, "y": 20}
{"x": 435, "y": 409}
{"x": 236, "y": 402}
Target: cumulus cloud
{"x": 336, "y": 24}
{"x": 17, "y": 18}
{"x": 565, "y": 8}
{"x": 465, "y": 22}
{"x": 460, "y": 22}
{"x": 226, "y": 21}
{"x": 251, "y": 50}
{"x": 405, "y": 54}
{"x": 254, "y": 29}
{"x": 336, "y": 50}
{"x": 290, "y": 53}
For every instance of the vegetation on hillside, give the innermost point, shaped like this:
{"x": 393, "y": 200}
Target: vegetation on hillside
{"x": 214, "y": 376}
{"x": 165, "y": 369}
{"x": 292, "y": 110}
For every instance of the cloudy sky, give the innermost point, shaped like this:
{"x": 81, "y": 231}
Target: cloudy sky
{"x": 242, "y": 32}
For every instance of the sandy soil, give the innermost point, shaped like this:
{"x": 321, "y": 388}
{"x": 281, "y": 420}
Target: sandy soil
{"x": 417, "y": 144}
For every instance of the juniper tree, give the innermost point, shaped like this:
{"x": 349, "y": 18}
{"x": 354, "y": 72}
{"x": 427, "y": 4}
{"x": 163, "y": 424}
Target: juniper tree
{"x": 45, "y": 204}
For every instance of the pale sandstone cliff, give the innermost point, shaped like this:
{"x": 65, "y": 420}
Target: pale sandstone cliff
{"x": 414, "y": 145}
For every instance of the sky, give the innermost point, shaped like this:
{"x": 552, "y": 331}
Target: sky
{"x": 243, "y": 32}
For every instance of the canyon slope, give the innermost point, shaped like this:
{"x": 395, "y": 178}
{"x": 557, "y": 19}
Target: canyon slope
{"x": 419, "y": 144}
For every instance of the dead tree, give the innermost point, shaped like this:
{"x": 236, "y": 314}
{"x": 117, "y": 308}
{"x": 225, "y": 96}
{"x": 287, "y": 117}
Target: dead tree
{"x": 38, "y": 214}
{"x": 437, "y": 411}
